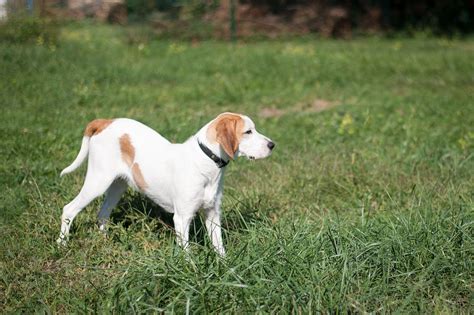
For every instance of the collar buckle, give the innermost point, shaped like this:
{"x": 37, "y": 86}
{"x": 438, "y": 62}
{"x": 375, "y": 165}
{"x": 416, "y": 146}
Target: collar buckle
{"x": 219, "y": 161}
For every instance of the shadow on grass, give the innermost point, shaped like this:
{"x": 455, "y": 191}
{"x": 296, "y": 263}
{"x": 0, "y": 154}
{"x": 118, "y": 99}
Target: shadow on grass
{"x": 136, "y": 205}
{"x": 245, "y": 211}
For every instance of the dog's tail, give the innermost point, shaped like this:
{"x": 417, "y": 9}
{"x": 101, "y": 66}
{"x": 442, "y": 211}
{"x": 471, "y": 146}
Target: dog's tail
{"x": 80, "y": 157}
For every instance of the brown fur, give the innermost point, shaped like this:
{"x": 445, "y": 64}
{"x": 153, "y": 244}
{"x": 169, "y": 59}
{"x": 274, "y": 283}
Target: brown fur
{"x": 138, "y": 177}
{"x": 127, "y": 149}
{"x": 128, "y": 156}
{"x": 97, "y": 126}
{"x": 227, "y": 130}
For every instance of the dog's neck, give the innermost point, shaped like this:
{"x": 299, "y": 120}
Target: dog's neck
{"x": 214, "y": 147}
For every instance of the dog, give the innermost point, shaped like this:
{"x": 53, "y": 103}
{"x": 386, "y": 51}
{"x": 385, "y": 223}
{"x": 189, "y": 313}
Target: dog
{"x": 181, "y": 178}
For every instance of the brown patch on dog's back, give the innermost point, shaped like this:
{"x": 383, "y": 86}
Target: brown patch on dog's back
{"x": 97, "y": 126}
{"x": 138, "y": 176}
{"x": 226, "y": 130}
{"x": 127, "y": 149}
{"x": 128, "y": 156}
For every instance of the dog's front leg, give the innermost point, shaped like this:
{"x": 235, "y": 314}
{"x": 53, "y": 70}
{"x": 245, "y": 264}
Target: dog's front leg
{"x": 213, "y": 225}
{"x": 181, "y": 226}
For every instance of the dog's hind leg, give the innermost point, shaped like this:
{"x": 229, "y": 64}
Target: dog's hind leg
{"x": 95, "y": 184}
{"x": 112, "y": 197}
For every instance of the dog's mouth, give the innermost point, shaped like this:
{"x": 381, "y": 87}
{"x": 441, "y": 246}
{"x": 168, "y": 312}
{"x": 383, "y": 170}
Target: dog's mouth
{"x": 251, "y": 157}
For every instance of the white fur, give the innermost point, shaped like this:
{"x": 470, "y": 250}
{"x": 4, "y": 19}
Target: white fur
{"x": 179, "y": 177}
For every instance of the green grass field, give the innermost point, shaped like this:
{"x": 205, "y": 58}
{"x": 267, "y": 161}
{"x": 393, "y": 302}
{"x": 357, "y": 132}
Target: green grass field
{"x": 366, "y": 204}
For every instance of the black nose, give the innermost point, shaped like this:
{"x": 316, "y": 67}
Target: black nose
{"x": 270, "y": 145}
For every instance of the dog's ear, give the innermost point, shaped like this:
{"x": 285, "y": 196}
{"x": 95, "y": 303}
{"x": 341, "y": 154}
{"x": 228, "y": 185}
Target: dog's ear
{"x": 227, "y": 134}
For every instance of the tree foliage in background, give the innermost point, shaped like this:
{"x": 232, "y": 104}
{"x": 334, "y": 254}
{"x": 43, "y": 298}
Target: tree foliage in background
{"x": 24, "y": 28}
{"x": 443, "y": 16}
{"x": 174, "y": 9}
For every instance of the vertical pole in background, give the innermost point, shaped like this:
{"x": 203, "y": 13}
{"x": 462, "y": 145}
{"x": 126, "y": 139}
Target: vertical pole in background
{"x": 233, "y": 22}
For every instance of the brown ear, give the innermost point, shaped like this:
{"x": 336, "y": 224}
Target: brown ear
{"x": 227, "y": 135}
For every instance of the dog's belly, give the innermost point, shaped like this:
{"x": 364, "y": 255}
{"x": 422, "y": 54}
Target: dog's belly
{"x": 161, "y": 199}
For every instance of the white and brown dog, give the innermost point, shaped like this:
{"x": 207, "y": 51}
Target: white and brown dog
{"x": 181, "y": 178}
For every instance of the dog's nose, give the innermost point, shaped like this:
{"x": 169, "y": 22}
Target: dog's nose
{"x": 270, "y": 145}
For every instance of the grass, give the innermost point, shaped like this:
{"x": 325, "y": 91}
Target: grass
{"x": 365, "y": 206}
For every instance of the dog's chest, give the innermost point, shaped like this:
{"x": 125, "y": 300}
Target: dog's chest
{"x": 211, "y": 191}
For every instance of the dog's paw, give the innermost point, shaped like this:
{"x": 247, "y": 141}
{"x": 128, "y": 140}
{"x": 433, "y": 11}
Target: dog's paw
{"x": 103, "y": 231}
{"x": 61, "y": 241}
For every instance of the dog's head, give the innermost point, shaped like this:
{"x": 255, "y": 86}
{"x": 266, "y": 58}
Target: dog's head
{"x": 237, "y": 136}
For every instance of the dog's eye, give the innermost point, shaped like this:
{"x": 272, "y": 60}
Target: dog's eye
{"x": 248, "y": 132}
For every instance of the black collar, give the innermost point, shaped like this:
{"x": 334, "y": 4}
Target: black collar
{"x": 220, "y": 162}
